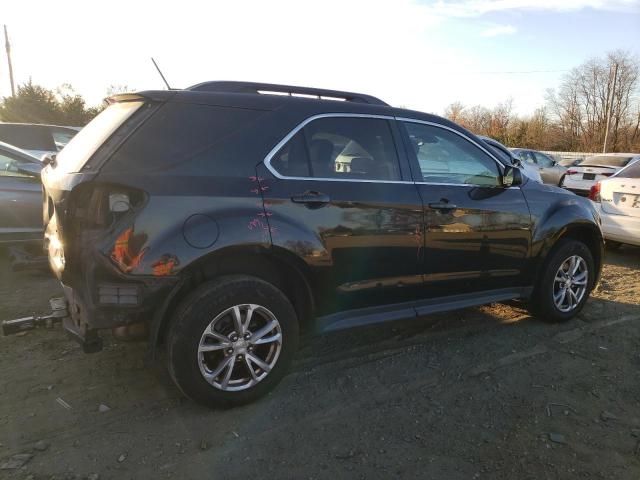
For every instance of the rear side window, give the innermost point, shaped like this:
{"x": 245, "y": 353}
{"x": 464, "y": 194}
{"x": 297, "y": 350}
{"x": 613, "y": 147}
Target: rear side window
{"x": 181, "y": 132}
{"x": 340, "y": 148}
{"x": 291, "y": 160}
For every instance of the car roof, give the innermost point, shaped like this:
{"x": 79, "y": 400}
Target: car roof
{"x": 265, "y": 96}
{"x": 10, "y": 148}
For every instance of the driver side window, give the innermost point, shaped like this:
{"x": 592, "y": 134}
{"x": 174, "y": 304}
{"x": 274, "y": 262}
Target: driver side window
{"x": 446, "y": 157}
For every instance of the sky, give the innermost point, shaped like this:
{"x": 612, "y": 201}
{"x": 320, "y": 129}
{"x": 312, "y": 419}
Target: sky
{"x": 419, "y": 54}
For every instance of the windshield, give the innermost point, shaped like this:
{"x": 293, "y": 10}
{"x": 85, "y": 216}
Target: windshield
{"x": 606, "y": 161}
{"x": 78, "y": 151}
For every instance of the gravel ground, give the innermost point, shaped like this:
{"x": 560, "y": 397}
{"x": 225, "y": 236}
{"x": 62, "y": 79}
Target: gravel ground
{"x": 479, "y": 393}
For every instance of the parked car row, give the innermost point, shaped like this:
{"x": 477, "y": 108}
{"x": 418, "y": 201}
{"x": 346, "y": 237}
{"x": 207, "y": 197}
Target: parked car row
{"x": 581, "y": 178}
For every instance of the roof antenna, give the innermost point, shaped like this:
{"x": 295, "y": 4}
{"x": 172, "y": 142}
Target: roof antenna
{"x": 160, "y": 72}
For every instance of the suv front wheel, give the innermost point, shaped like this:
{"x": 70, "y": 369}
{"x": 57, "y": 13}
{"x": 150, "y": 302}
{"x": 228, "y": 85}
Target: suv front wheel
{"x": 566, "y": 282}
{"x": 231, "y": 341}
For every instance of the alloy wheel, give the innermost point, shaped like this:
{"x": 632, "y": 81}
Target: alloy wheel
{"x": 240, "y": 347}
{"x": 570, "y": 283}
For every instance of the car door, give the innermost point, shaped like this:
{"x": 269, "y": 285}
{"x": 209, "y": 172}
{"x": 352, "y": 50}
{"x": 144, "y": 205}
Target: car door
{"x": 336, "y": 194}
{"x": 20, "y": 201}
{"x": 550, "y": 171}
{"x": 477, "y": 232}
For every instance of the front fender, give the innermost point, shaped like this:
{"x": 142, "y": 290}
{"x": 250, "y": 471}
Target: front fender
{"x": 555, "y": 214}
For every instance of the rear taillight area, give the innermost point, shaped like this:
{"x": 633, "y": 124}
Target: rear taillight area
{"x": 594, "y": 193}
{"x": 95, "y": 213}
{"x": 100, "y": 207}
{"x": 572, "y": 172}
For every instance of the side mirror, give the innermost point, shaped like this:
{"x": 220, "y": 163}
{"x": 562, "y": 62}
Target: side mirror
{"x": 511, "y": 177}
{"x": 49, "y": 159}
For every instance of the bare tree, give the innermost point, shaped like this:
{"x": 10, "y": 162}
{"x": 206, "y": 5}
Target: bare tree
{"x": 455, "y": 112}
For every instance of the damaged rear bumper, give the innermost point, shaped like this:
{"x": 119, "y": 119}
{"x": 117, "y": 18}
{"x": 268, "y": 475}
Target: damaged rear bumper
{"x": 107, "y": 305}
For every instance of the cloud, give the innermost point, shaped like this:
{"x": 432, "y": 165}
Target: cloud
{"x": 499, "y": 30}
{"x": 474, "y": 8}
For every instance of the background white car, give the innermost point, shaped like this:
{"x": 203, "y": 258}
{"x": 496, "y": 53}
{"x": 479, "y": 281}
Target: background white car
{"x": 618, "y": 200}
{"x": 581, "y": 178}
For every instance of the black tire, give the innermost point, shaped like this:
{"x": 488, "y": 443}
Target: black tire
{"x": 542, "y": 303}
{"x": 194, "y": 315}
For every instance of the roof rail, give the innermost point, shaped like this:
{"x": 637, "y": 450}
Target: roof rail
{"x": 270, "y": 88}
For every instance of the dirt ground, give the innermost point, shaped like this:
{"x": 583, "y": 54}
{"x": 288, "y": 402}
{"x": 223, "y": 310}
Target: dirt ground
{"x": 480, "y": 393}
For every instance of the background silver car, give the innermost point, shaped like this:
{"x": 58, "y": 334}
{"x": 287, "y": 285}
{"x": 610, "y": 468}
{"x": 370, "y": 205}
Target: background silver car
{"x": 550, "y": 170}
{"x": 20, "y": 196}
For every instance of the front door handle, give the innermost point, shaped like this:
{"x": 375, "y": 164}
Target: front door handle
{"x": 311, "y": 199}
{"x": 442, "y": 206}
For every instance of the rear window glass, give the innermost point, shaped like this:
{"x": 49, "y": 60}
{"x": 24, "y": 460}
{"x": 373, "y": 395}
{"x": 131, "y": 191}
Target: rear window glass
{"x": 606, "y": 161}
{"x": 78, "y": 151}
{"x": 62, "y": 136}
{"x": 27, "y": 137}
{"x": 182, "y": 132}
{"x": 632, "y": 171}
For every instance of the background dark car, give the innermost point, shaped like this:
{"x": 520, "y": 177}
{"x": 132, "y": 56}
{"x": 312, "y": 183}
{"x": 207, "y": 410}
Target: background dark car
{"x": 20, "y": 196}
{"x": 36, "y": 139}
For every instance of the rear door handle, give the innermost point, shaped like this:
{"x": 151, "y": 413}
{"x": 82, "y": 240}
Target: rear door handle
{"x": 311, "y": 199}
{"x": 442, "y": 206}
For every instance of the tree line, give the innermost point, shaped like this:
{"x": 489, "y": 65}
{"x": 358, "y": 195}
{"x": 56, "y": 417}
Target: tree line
{"x": 574, "y": 116}
{"x": 34, "y": 103}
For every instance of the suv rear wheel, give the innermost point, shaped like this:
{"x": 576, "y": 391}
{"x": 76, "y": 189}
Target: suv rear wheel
{"x": 566, "y": 282}
{"x": 231, "y": 341}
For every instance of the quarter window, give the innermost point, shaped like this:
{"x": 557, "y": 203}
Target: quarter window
{"x": 446, "y": 157}
{"x": 340, "y": 148}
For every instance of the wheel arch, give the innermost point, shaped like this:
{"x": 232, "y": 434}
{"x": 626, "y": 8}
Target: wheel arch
{"x": 585, "y": 232}
{"x": 274, "y": 265}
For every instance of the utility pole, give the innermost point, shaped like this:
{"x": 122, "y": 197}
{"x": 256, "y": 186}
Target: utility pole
{"x": 610, "y": 108}
{"x": 8, "y": 48}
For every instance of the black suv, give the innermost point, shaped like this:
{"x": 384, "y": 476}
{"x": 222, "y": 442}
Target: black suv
{"x": 230, "y": 217}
